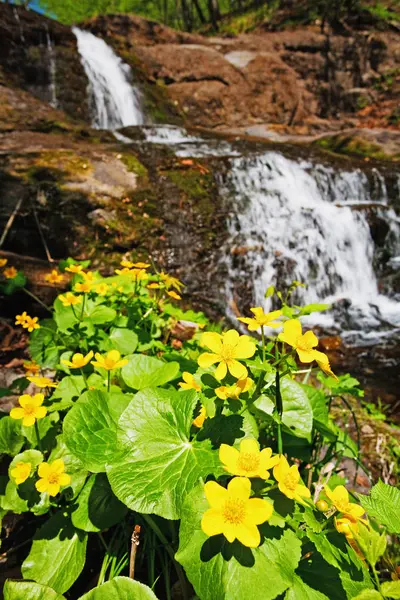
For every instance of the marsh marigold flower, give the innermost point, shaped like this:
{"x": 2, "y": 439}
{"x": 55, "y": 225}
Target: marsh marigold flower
{"x": 74, "y": 269}
{"x": 201, "y": 417}
{"x": 3, "y": 262}
{"x": 340, "y": 499}
{"x": 241, "y": 386}
{"x": 111, "y": 360}
{"x": 249, "y": 461}
{"x": 54, "y": 277}
{"x": 346, "y": 526}
{"x": 174, "y": 295}
{"x": 21, "y": 472}
{"x": 189, "y": 382}
{"x": 289, "y": 482}
{"x": 101, "y": 289}
{"x": 31, "y": 368}
{"x": 70, "y": 299}
{"x": 52, "y": 477}
{"x": 31, "y": 323}
{"x": 170, "y": 281}
{"x": 10, "y": 272}
{"x": 153, "y": 286}
{"x": 226, "y": 349}
{"x": 233, "y": 513}
{"x": 42, "y": 382}
{"x": 78, "y": 361}
{"x": 21, "y": 319}
{"x": 304, "y": 345}
{"x": 30, "y": 408}
{"x": 261, "y": 319}
{"x": 85, "y": 287}
{"x": 138, "y": 265}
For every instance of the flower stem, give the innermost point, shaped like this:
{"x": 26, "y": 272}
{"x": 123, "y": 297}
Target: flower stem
{"x": 108, "y": 381}
{"x": 279, "y": 408}
{"x": 37, "y": 299}
{"x": 84, "y": 376}
{"x": 83, "y": 307}
{"x": 39, "y": 441}
{"x": 263, "y": 342}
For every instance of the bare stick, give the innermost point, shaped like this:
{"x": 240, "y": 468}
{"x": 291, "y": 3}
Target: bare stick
{"x": 10, "y": 221}
{"x": 46, "y": 248}
{"x": 134, "y": 546}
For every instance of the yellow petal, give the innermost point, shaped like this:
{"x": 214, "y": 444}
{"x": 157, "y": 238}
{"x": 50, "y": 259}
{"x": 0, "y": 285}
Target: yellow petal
{"x": 275, "y": 314}
{"x": 28, "y": 421}
{"x": 230, "y": 337}
{"x": 230, "y": 531}
{"x": 310, "y": 339}
{"x": 291, "y": 332}
{"x": 220, "y": 371}
{"x": 65, "y": 479}
{"x": 240, "y": 487}
{"x": 212, "y": 340}
{"x": 215, "y": 494}
{"x": 354, "y": 510}
{"x": 246, "y": 320}
{"x": 207, "y": 359}
{"x": 53, "y": 489}
{"x": 248, "y": 535}
{"x": 212, "y": 522}
{"x": 57, "y": 465}
{"x": 17, "y": 413}
{"x": 41, "y": 485}
{"x": 228, "y": 456}
{"x": 285, "y": 490}
{"x": 236, "y": 369}
{"x": 340, "y": 496}
{"x": 113, "y": 355}
{"x": 40, "y": 412}
{"x": 306, "y": 356}
{"x": 267, "y": 461}
{"x": 302, "y": 491}
{"x": 245, "y": 348}
{"x": 44, "y": 470}
{"x": 259, "y": 510}
{"x": 281, "y": 469}
{"x": 221, "y": 392}
{"x": 25, "y": 399}
{"x": 249, "y": 445}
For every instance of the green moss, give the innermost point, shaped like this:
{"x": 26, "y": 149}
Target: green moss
{"x": 134, "y": 165}
{"x": 354, "y": 146}
{"x": 193, "y": 182}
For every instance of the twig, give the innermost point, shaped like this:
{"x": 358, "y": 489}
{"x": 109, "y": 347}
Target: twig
{"x": 134, "y": 546}
{"x": 10, "y": 221}
{"x": 46, "y": 248}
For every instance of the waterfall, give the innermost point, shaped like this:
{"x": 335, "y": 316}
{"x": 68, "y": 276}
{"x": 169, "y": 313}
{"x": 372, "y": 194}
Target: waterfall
{"x": 21, "y": 31}
{"x": 115, "y": 101}
{"x": 52, "y": 65}
{"x": 293, "y": 220}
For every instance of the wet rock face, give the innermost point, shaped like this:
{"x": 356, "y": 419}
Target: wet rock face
{"x": 29, "y": 43}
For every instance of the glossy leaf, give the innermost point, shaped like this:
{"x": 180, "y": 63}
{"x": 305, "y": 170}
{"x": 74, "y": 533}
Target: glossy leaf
{"x": 383, "y": 503}
{"x": 97, "y": 507}
{"x": 11, "y": 438}
{"x": 28, "y": 590}
{"x": 146, "y": 371}
{"x": 120, "y": 588}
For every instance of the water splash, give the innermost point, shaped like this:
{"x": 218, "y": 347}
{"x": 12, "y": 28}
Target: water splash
{"x": 115, "y": 101}
{"x": 53, "y": 70}
{"x": 293, "y": 220}
{"x": 21, "y": 30}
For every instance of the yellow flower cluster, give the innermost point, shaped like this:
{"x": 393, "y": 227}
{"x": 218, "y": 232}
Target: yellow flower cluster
{"x": 54, "y": 277}
{"x": 27, "y": 322}
{"x": 52, "y": 476}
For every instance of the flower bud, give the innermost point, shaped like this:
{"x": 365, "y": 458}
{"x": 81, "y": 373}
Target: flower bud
{"x": 322, "y": 505}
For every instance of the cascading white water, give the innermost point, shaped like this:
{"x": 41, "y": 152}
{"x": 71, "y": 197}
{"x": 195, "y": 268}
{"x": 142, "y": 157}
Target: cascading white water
{"x": 116, "y": 102}
{"x": 53, "y": 72}
{"x": 298, "y": 221}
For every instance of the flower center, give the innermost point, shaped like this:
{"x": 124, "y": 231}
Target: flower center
{"x": 29, "y": 409}
{"x": 301, "y": 344}
{"x": 109, "y": 363}
{"x": 248, "y": 461}
{"x": 53, "y": 478}
{"x": 234, "y": 511}
{"x": 341, "y": 505}
{"x": 227, "y": 352}
{"x": 291, "y": 480}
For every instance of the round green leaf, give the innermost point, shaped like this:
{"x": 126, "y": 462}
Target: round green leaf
{"x": 123, "y": 340}
{"x": 90, "y": 427}
{"x": 222, "y": 571}
{"x": 120, "y": 588}
{"x": 58, "y": 554}
{"x": 158, "y": 464}
{"x": 146, "y": 371}
{"x": 301, "y": 591}
{"x": 28, "y": 590}
{"x": 11, "y": 438}
{"x": 97, "y": 507}
{"x": 101, "y": 314}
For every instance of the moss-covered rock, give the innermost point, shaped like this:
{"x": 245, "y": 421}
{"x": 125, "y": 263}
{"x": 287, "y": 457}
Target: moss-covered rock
{"x": 381, "y": 145}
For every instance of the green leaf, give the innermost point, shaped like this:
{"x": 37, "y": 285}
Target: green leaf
{"x": 64, "y": 316}
{"x": 120, "y": 588}
{"x": 69, "y": 388}
{"x": 73, "y": 466}
{"x": 42, "y": 346}
{"x": 100, "y": 314}
{"x": 27, "y": 590}
{"x": 90, "y": 428}
{"x": 24, "y": 497}
{"x": 222, "y": 571}
{"x": 319, "y": 405}
{"x": 146, "y": 371}
{"x": 13, "y": 284}
{"x": 368, "y": 595}
{"x": 57, "y": 556}
{"x": 310, "y": 308}
{"x": 159, "y": 464}
{"x": 391, "y": 589}
{"x": 123, "y": 340}
{"x": 301, "y": 591}
{"x": 383, "y": 503}
{"x": 97, "y": 507}
{"x": 11, "y": 438}
{"x": 297, "y": 412}
{"x": 222, "y": 429}
{"x": 372, "y": 544}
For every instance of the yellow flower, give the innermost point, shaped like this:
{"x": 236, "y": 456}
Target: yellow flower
{"x": 111, "y": 360}
{"x": 52, "y": 477}
{"x": 42, "y": 382}
{"x": 102, "y": 289}
{"x": 170, "y": 281}
{"x": 31, "y": 323}
{"x": 135, "y": 274}
{"x": 233, "y": 391}
{"x": 261, "y": 319}
{"x": 84, "y": 287}
{"x": 3, "y": 262}
{"x": 31, "y": 368}
{"x": 226, "y": 349}
{"x": 69, "y": 299}
{"x": 74, "y": 269}
{"x": 87, "y": 276}
{"x": 289, "y": 482}
{"x": 249, "y": 461}
{"x": 21, "y": 319}
{"x": 129, "y": 265}
{"x": 201, "y": 417}
{"x": 54, "y": 277}
{"x": 10, "y": 272}
{"x": 126, "y": 263}
{"x": 346, "y": 526}
{"x": 78, "y": 361}
{"x": 174, "y": 295}
{"x": 340, "y": 499}
{"x": 325, "y": 366}
{"x": 30, "y": 408}
{"x": 21, "y": 472}
{"x": 154, "y": 286}
{"x": 189, "y": 382}
{"x": 233, "y": 513}
{"x": 304, "y": 344}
